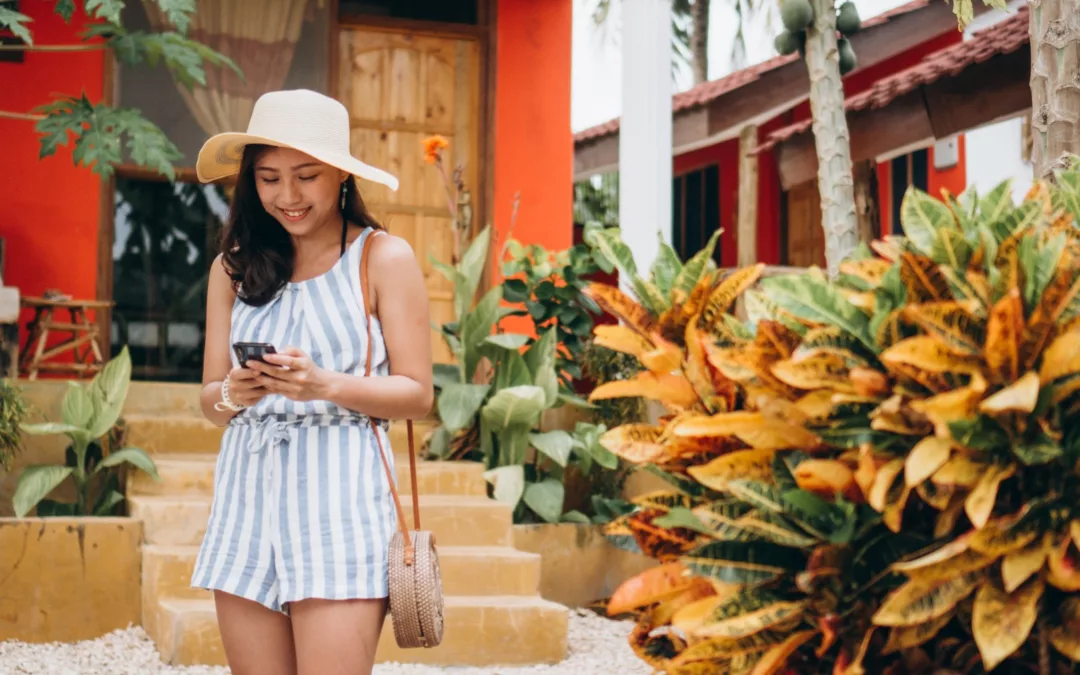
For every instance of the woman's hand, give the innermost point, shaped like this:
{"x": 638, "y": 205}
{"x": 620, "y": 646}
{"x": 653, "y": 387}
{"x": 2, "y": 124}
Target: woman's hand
{"x": 292, "y": 374}
{"x": 244, "y": 387}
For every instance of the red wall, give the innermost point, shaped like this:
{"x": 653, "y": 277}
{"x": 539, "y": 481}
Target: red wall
{"x": 50, "y": 215}
{"x": 534, "y": 148}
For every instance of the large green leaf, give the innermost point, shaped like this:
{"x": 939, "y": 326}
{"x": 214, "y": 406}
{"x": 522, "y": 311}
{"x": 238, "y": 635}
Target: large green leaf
{"x": 997, "y": 202}
{"x": 459, "y": 403}
{"x": 744, "y": 562}
{"x": 16, "y": 23}
{"x": 77, "y": 408}
{"x": 819, "y": 301}
{"x": 511, "y": 371}
{"x": 444, "y": 374}
{"x": 136, "y": 457}
{"x": 108, "y": 391}
{"x": 922, "y": 217}
{"x": 1039, "y": 265}
{"x": 508, "y": 483}
{"x": 473, "y": 261}
{"x": 555, "y": 444}
{"x": 690, "y": 274}
{"x": 514, "y": 444}
{"x": 35, "y": 483}
{"x": 1016, "y": 219}
{"x": 541, "y": 359}
{"x": 607, "y": 244}
{"x": 665, "y": 268}
{"x": 508, "y": 340}
{"x": 546, "y": 499}
{"x": 476, "y": 327}
{"x": 463, "y": 297}
{"x": 587, "y": 439}
{"x": 514, "y": 406}
{"x": 950, "y": 247}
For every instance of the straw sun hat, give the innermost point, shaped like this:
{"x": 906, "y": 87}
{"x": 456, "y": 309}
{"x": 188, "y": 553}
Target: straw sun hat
{"x": 300, "y": 119}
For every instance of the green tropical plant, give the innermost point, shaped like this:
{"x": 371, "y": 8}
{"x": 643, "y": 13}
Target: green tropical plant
{"x": 877, "y": 473}
{"x": 549, "y": 285}
{"x": 89, "y": 418}
{"x": 13, "y": 411}
{"x": 492, "y": 398}
{"x": 102, "y": 133}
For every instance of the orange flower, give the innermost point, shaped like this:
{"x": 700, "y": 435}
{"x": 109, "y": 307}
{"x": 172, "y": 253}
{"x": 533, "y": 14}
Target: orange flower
{"x": 433, "y": 147}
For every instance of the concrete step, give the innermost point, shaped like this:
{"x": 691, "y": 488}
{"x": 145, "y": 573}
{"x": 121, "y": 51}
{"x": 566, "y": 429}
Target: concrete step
{"x": 466, "y": 570}
{"x": 479, "y": 631}
{"x": 188, "y": 434}
{"x": 160, "y": 434}
{"x": 456, "y": 520}
{"x": 193, "y": 474}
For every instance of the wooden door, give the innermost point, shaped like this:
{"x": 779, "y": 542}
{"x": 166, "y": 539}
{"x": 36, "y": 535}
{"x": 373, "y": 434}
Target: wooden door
{"x": 401, "y": 88}
{"x": 805, "y": 238}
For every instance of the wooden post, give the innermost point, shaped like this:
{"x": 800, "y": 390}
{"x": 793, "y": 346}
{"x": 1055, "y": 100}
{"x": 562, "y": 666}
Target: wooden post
{"x": 746, "y": 232}
{"x": 867, "y": 213}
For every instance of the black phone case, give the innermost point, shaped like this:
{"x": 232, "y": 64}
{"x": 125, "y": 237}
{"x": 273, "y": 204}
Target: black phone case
{"x": 252, "y": 351}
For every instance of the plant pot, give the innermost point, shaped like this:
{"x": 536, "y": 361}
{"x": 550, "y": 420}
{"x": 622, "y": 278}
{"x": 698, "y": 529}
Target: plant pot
{"x": 68, "y": 579}
{"x": 578, "y": 565}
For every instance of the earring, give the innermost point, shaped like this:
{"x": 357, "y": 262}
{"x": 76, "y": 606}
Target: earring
{"x": 343, "y": 195}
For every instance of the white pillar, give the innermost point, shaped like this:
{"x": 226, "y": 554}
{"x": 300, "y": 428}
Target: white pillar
{"x": 645, "y": 129}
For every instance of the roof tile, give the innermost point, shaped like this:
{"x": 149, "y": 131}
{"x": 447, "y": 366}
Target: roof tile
{"x": 1004, "y": 37}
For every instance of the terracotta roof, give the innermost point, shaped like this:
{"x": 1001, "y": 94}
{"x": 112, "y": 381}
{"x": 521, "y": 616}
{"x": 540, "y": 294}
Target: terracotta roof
{"x": 706, "y": 92}
{"x": 1004, "y": 37}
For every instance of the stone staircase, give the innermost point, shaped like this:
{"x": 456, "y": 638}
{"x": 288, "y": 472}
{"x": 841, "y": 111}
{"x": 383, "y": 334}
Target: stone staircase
{"x": 494, "y": 614}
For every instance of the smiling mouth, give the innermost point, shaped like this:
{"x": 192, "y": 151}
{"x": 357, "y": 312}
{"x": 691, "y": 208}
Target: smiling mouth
{"x": 295, "y": 215}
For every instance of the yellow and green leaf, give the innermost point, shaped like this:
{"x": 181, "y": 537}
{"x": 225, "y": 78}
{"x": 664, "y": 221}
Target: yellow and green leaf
{"x": 1001, "y": 622}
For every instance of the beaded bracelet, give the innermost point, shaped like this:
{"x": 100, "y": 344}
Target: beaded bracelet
{"x": 226, "y": 403}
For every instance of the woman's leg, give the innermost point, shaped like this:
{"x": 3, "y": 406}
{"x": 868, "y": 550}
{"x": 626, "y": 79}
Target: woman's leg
{"x": 336, "y": 637}
{"x": 258, "y": 640}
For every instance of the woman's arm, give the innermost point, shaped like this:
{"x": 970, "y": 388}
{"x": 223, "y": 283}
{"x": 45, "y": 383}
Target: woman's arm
{"x": 400, "y": 301}
{"x": 216, "y": 362}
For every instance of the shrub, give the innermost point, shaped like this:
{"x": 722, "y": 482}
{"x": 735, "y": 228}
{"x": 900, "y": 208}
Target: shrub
{"x": 877, "y": 473}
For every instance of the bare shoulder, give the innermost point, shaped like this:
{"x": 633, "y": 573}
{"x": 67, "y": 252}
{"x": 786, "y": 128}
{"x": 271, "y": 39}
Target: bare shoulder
{"x": 219, "y": 273}
{"x": 389, "y": 252}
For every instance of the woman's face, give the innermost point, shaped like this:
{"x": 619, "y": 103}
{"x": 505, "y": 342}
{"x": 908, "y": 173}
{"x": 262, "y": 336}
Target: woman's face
{"x": 299, "y": 191}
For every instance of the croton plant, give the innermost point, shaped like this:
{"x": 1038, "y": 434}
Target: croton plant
{"x": 876, "y": 473}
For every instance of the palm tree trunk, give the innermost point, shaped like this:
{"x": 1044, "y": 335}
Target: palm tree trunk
{"x": 831, "y": 138}
{"x": 699, "y": 40}
{"x": 1055, "y": 82}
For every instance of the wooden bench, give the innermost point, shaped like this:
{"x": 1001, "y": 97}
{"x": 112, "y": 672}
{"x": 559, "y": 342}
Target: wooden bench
{"x": 84, "y": 340}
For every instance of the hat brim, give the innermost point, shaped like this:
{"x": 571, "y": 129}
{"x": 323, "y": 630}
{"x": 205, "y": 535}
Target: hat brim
{"x": 220, "y": 158}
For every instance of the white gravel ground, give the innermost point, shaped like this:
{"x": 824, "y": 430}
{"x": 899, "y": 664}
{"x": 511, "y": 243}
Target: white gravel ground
{"x": 597, "y": 646}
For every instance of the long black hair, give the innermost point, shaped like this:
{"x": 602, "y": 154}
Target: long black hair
{"x": 256, "y": 250}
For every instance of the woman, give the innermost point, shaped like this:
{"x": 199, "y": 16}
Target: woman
{"x": 296, "y": 546}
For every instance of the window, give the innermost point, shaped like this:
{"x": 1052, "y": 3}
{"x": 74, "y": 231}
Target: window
{"x": 446, "y": 11}
{"x": 695, "y": 198}
{"x": 165, "y": 239}
{"x": 909, "y": 169}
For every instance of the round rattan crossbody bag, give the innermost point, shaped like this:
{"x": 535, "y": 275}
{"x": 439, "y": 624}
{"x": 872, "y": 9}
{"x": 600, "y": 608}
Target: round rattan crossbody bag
{"x": 416, "y": 594}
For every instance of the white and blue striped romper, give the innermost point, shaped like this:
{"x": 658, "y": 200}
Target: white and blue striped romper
{"x": 301, "y": 505}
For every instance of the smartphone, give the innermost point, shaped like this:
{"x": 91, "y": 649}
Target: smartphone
{"x": 252, "y": 351}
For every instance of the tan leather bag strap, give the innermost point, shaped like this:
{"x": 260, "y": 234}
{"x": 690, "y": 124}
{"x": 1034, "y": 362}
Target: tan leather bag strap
{"x": 410, "y": 554}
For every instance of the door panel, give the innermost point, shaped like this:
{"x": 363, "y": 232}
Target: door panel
{"x": 400, "y": 88}
{"x": 805, "y": 238}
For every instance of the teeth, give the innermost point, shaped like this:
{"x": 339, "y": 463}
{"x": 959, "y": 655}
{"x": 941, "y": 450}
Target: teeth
{"x": 295, "y": 214}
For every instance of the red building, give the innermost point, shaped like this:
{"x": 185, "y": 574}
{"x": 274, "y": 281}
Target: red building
{"x": 493, "y": 76}
{"x": 755, "y": 124}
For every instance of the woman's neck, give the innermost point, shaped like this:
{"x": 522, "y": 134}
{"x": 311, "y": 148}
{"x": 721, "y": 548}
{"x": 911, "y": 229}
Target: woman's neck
{"x": 315, "y": 244}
